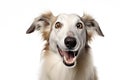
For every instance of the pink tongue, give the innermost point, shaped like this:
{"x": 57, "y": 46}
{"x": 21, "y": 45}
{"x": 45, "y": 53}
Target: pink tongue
{"x": 68, "y": 56}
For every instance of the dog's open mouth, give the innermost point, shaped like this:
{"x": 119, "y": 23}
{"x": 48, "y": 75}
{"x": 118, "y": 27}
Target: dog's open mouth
{"x": 69, "y": 57}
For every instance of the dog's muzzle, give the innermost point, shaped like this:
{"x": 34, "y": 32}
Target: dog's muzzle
{"x": 69, "y": 56}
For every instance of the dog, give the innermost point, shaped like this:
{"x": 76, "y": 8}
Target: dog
{"x": 66, "y": 55}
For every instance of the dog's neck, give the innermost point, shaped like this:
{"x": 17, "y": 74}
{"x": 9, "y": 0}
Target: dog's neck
{"x": 83, "y": 66}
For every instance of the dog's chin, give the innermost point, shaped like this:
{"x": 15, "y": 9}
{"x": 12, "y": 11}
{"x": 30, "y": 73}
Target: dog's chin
{"x": 69, "y": 57}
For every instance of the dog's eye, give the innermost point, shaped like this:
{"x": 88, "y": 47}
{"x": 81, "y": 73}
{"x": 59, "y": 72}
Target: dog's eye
{"x": 79, "y": 25}
{"x": 58, "y": 25}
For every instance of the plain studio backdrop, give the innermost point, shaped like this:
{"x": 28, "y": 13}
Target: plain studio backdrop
{"x": 20, "y": 52}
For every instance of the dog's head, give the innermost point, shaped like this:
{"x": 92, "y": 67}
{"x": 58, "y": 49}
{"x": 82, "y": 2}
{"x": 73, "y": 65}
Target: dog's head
{"x": 67, "y": 34}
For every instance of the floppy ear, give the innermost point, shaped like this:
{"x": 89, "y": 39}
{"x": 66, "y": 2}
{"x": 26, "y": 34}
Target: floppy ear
{"x": 91, "y": 25}
{"x": 41, "y": 22}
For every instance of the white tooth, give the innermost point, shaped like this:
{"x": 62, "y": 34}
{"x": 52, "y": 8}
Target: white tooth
{"x": 74, "y": 59}
{"x": 65, "y": 58}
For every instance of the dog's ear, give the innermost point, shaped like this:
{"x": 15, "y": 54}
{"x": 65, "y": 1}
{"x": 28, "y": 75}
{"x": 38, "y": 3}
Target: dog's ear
{"x": 91, "y": 25}
{"x": 41, "y": 22}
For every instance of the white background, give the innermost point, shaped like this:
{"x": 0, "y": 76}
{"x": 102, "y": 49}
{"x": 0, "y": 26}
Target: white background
{"x": 20, "y": 52}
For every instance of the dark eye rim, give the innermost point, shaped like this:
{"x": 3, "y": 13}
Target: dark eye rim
{"x": 58, "y": 25}
{"x": 79, "y": 25}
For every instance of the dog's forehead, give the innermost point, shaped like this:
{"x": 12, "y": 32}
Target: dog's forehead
{"x": 68, "y": 17}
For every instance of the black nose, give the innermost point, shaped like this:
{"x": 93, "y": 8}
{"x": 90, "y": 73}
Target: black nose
{"x": 70, "y": 42}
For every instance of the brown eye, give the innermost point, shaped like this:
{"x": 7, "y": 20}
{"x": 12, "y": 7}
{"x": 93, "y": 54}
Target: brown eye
{"x": 58, "y": 25}
{"x": 79, "y": 25}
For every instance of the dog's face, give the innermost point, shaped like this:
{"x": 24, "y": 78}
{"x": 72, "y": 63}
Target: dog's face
{"x": 67, "y": 34}
{"x": 68, "y": 37}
